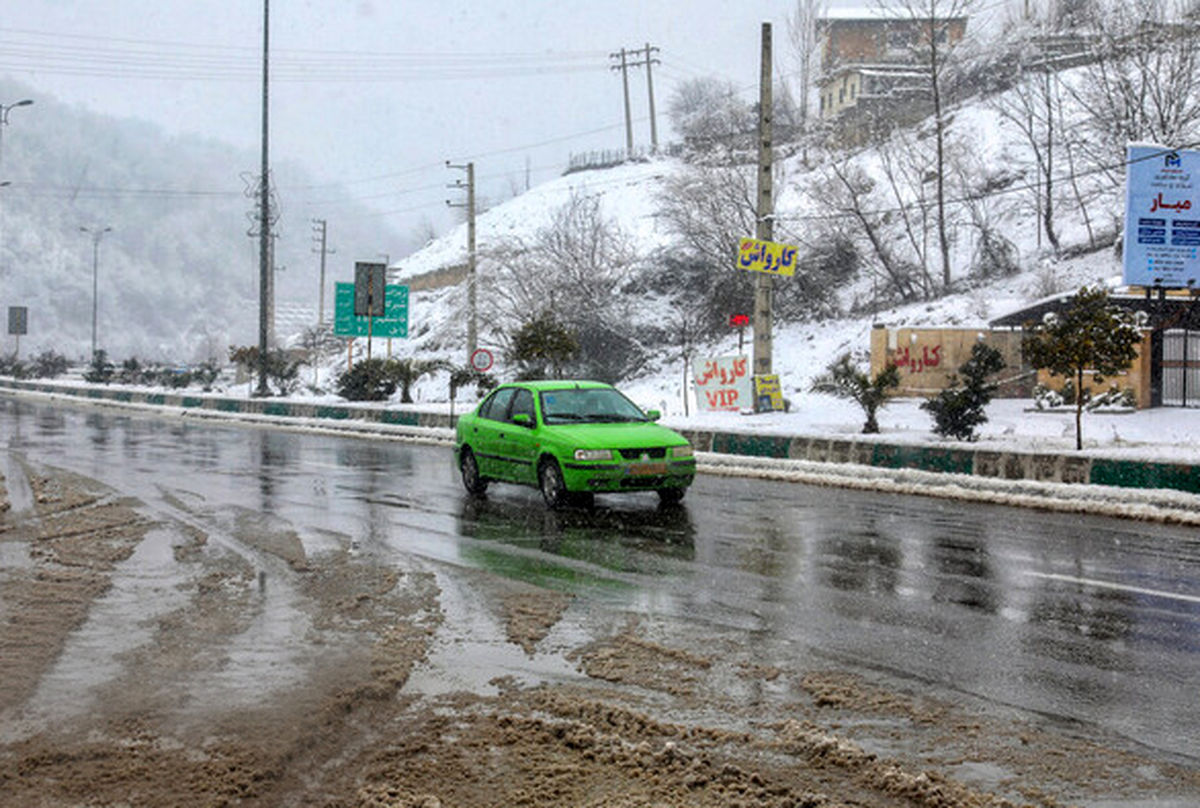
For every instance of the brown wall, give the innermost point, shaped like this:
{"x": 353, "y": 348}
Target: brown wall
{"x": 926, "y": 357}
{"x": 1136, "y": 378}
{"x": 866, "y": 41}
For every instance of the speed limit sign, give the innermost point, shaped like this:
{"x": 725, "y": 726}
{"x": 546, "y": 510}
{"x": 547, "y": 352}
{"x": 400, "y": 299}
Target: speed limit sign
{"x": 481, "y": 360}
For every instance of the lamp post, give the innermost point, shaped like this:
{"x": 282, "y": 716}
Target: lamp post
{"x": 96, "y": 234}
{"x": 4, "y": 110}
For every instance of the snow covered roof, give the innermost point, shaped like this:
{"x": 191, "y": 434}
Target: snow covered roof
{"x": 870, "y": 14}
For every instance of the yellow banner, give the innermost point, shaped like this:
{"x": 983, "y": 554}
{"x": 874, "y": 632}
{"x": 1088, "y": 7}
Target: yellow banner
{"x": 768, "y": 394}
{"x": 767, "y": 256}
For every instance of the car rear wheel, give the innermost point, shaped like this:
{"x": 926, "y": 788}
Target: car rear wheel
{"x": 671, "y": 496}
{"x": 550, "y": 481}
{"x": 472, "y": 481}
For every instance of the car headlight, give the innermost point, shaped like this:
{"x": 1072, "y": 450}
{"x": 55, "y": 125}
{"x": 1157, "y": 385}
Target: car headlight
{"x": 593, "y": 454}
{"x": 681, "y": 451}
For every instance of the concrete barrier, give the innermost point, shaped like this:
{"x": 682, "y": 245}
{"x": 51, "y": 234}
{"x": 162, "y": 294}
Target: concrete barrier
{"x": 860, "y": 450}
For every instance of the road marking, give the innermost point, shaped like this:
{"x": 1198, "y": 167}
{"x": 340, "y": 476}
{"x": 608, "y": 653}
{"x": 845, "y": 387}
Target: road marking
{"x": 1158, "y": 593}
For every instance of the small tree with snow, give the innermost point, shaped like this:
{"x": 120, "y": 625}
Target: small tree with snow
{"x": 1092, "y": 335}
{"x": 844, "y": 379}
{"x": 959, "y": 409}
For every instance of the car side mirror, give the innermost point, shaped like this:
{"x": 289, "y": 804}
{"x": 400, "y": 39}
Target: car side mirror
{"x": 523, "y": 419}
{"x": 653, "y": 415}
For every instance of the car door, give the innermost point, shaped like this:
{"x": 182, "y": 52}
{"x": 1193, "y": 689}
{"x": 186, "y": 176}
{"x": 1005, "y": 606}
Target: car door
{"x": 485, "y": 433}
{"x": 518, "y": 444}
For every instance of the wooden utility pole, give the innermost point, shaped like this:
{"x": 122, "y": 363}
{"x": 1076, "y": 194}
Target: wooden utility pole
{"x": 764, "y": 290}
{"x": 472, "y": 286}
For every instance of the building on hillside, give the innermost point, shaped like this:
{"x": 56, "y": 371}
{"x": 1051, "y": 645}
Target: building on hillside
{"x": 872, "y": 66}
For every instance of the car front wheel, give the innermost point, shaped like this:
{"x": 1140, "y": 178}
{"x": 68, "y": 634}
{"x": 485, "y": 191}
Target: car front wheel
{"x": 550, "y": 481}
{"x": 472, "y": 481}
{"x": 671, "y": 496}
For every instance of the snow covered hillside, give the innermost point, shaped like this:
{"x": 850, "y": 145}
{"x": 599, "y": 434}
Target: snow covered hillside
{"x": 995, "y": 192}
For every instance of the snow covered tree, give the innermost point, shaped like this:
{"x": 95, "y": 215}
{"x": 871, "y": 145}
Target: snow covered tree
{"x": 1091, "y": 337}
{"x": 959, "y": 409}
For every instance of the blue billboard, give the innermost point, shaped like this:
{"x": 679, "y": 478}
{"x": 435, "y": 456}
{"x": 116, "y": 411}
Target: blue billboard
{"x": 1162, "y": 217}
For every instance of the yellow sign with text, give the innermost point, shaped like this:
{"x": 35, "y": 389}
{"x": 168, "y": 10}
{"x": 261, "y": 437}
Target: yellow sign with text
{"x": 768, "y": 395}
{"x": 767, "y": 256}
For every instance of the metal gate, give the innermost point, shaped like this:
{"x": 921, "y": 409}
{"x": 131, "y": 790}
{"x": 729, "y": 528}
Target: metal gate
{"x": 1181, "y": 369}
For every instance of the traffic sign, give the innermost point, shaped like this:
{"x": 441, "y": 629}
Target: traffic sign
{"x": 18, "y": 320}
{"x": 481, "y": 360}
{"x": 369, "y": 281}
{"x": 393, "y": 323}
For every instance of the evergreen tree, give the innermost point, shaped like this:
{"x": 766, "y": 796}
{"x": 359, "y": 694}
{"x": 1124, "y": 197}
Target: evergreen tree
{"x": 543, "y": 341}
{"x": 1092, "y": 336}
{"x": 959, "y": 409}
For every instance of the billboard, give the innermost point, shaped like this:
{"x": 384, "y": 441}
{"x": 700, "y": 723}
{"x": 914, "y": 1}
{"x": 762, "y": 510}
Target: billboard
{"x": 393, "y": 323}
{"x": 723, "y": 383}
{"x": 1162, "y": 216}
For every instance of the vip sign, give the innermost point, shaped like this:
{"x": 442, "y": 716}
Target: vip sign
{"x": 723, "y": 383}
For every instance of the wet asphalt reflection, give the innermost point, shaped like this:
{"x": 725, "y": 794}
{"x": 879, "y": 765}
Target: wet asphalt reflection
{"x": 1089, "y": 621}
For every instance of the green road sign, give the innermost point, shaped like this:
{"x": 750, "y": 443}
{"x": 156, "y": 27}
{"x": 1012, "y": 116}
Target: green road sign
{"x": 393, "y": 323}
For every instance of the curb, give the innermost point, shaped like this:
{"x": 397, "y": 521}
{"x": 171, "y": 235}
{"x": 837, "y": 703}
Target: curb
{"x": 985, "y": 464}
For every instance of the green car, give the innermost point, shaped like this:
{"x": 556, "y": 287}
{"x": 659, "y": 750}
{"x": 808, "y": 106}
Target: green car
{"x": 571, "y": 439}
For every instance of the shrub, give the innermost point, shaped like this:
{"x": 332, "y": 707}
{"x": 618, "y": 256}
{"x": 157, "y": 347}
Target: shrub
{"x": 369, "y": 380}
{"x": 959, "y": 409}
{"x": 101, "y": 370}
{"x": 48, "y": 365}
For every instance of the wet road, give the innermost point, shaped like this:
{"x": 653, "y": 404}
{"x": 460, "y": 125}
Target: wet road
{"x": 1091, "y": 622}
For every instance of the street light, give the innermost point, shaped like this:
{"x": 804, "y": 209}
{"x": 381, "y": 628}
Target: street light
{"x": 4, "y": 110}
{"x": 96, "y": 234}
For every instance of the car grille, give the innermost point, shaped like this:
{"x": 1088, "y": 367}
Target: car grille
{"x": 654, "y": 453}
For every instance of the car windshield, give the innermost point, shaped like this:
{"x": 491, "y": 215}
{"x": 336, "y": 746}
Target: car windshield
{"x": 588, "y": 404}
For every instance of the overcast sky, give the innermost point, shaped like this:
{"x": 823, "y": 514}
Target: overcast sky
{"x": 378, "y": 94}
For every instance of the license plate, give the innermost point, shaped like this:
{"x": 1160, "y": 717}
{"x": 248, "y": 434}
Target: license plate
{"x": 645, "y": 469}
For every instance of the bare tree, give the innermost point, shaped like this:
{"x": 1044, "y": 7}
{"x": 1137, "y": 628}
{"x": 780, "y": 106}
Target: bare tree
{"x": 1142, "y": 81}
{"x": 708, "y": 112}
{"x": 574, "y": 268}
{"x": 933, "y": 46}
{"x": 805, "y": 39}
{"x": 1033, "y": 106}
{"x": 847, "y": 189}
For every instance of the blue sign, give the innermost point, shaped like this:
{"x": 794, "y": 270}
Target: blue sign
{"x": 1162, "y": 203}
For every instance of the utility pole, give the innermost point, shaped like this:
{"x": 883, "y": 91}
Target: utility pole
{"x": 650, "y": 94}
{"x": 624, "y": 68}
{"x": 96, "y": 234}
{"x": 264, "y": 216}
{"x": 472, "y": 302}
{"x": 764, "y": 290}
{"x": 320, "y": 231}
{"x": 646, "y": 58}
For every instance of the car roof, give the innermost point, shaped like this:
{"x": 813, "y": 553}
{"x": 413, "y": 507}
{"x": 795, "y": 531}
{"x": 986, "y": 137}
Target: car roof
{"x": 542, "y": 385}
